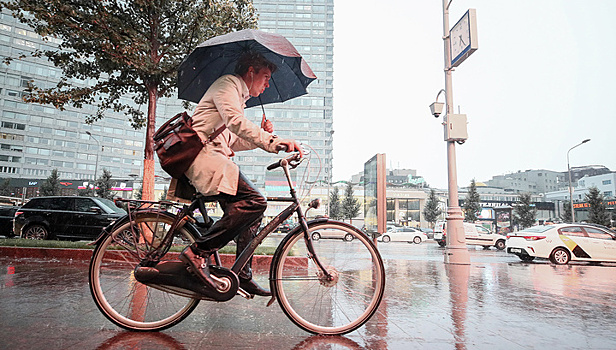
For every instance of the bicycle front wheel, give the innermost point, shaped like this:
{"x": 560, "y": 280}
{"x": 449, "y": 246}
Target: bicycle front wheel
{"x": 119, "y": 296}
{"x": 334, "y": 304}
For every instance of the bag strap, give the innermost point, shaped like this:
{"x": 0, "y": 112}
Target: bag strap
{"x": 215, "y": 134}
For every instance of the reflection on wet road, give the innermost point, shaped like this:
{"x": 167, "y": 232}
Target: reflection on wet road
{"x": 497, "y": 302}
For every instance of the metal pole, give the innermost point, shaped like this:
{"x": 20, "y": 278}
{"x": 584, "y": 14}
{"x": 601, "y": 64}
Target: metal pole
{"x": 570, "y": 182}
{"x": 456, "y": 251}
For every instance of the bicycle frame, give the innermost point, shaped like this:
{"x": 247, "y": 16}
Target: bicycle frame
{"x": 294, "y": 207}
{"x": 185, "y": 217}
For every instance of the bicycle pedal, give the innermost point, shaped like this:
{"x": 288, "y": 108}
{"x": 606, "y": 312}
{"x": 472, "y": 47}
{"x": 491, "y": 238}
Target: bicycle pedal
{"x": 245, "y": 294}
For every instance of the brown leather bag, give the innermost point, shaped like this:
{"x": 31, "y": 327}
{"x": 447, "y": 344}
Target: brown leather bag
{"x": 177, "y": 144}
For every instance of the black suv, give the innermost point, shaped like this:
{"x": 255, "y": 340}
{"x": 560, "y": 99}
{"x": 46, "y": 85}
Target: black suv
{"x": 72, "y": 218}
{"x": 7, "y": 213}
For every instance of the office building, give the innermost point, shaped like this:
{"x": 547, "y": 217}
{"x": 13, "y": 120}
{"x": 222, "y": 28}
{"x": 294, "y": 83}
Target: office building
{"x": 35, "y": 139}
{"x": 309, "y": 26}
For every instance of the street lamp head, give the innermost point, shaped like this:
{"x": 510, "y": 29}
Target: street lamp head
{"x": 87, "y": 132}
{"x": 585, "y": 140}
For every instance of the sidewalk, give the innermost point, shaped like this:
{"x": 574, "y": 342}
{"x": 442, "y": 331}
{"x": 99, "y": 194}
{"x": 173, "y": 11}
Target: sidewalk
{"x": 495, "y": 303}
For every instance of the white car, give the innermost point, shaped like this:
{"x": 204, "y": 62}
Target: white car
{"x": 403, "y": 234}
{"x": 475, "y": 234}
{"x": 562, "y": 243}
{"x": 332, "y": 233}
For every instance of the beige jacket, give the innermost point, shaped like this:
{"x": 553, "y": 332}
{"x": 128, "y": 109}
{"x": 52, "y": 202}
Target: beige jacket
{"x": 213, "y": 171}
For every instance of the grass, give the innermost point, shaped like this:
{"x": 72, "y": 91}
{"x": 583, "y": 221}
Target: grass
{"x": 32, "y": 243}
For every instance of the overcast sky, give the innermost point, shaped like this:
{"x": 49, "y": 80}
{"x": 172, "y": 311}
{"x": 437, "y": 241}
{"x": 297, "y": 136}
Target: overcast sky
{"x": 542, "y": 80}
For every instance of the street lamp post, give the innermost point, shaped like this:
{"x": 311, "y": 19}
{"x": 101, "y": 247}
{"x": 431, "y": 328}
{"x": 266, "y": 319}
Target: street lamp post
{"x": 456, "y": 251}
{"x": 570, "y": 182}
{"x": 98, "y": 146}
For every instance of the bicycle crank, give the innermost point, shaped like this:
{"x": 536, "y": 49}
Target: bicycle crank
{"x": 172, "y": 277}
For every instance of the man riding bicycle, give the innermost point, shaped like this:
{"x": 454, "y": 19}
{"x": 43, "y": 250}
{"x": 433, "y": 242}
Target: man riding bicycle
{"x": 213, "y": 173}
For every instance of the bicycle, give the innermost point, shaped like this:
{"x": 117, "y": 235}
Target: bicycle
{"x": 324, "y": 287}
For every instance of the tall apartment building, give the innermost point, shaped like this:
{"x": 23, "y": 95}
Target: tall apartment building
{"x": 35, "y": 139}
{"x": 309, "y": 26}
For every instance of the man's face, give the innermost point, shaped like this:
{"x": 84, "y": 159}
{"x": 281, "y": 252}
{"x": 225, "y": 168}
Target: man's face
{"x": 260, "y": 81}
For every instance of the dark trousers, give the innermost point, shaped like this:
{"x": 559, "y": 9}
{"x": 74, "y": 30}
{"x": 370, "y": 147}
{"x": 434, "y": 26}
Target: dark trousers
{"x": 240, "y": 221}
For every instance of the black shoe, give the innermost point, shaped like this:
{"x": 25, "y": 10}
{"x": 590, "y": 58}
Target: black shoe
{"x": 252, "y": 287}
{"x": 197, "y": 262}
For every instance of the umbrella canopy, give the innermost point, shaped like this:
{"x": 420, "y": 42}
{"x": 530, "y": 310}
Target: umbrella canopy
{"x": 219, "y": 55}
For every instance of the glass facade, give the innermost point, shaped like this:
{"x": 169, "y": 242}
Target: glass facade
{"x": 35, "y": 139}
{"x": 309, "y": 26}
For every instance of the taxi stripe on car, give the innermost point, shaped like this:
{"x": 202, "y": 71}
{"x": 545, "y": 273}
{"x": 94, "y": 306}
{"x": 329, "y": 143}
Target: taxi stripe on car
{"x": 574, "y": 247}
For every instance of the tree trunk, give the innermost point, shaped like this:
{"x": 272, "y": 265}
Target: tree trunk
{"x": 148, "y": 161}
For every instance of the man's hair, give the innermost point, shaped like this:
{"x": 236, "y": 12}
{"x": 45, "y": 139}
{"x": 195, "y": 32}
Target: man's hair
{"x": 255, "y": 60}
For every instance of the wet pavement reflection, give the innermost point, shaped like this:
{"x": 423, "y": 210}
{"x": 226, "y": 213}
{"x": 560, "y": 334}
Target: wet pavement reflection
{"x": 497, "y": 302}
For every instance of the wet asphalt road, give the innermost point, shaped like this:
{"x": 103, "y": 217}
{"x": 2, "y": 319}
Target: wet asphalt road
{"x": 497, "y": 302}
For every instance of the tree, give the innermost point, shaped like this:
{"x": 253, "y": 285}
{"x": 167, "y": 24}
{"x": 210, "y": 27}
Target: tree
{"x": 51, "y": 186}
{"x": 5, "y": 189}
{"x": 566, "y": 215}
{"x": 127, "y": 48}
{"x": 335, "y": 211}
{"x": 163, "y": 195}
{"x": 84, "y": 192}
{"x": 525, "y": 212}
{"x": 350, "y": 205}
{"x": 104, "y": 185}
{"x": 597, "y": 213}
{"x": 471, "y": 203}
{"x": 139, "y": 194}
{"x": 432, "y": 211}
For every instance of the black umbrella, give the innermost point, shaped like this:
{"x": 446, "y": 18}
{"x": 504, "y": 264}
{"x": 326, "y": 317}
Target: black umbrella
{"x": 218, "y": 56}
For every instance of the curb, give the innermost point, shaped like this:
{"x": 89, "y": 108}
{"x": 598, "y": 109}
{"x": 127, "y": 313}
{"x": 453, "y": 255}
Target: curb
{"x": 259, "y": 261}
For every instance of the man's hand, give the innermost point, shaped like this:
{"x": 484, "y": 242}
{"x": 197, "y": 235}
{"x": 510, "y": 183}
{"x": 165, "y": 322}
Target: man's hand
{"x": 267, "y": 125}
{"x": 292, "y": 146}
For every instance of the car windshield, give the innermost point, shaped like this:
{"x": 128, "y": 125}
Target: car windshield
{"x": 538, "y": 229}
{"x": 109, "y": 206}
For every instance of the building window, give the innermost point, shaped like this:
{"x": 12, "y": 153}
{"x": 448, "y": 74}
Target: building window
{"x": 607, "y": 182}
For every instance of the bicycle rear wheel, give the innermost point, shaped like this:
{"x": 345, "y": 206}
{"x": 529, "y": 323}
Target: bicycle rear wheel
{"x": 328, "y": 306}
{"x": 119, "y": 296}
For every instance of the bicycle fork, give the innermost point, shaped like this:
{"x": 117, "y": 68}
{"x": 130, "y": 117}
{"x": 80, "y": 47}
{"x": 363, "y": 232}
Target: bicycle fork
{"x": 312, "y": 255}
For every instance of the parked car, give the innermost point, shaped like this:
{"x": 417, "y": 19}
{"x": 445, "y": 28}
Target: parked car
{"x": 428, "y": 231}
{"x": 7, "y": 213}
{"x": 562, "y": 243}
{"x": 65, "y": 217}
{"x": 285, "y": 227}
{"x": 475, "y": 234}
{"x": 332, "y": 234}
{"x": 403, "y": 234}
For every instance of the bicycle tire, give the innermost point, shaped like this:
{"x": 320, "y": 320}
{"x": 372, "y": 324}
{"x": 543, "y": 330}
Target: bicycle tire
{"x": 328, "y": 307}
{"x": 122, "y": 299}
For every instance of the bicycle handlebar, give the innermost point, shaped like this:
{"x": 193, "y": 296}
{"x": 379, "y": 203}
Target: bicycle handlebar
{"x": 293, "y": 160}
